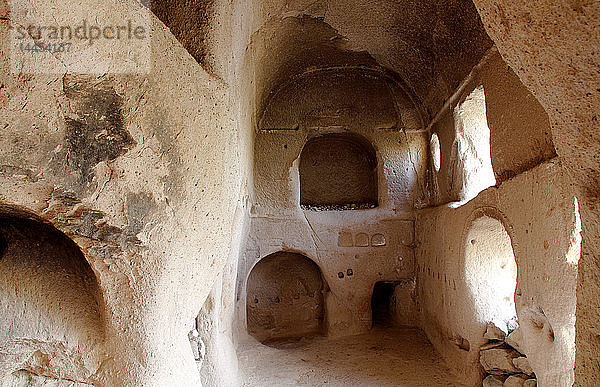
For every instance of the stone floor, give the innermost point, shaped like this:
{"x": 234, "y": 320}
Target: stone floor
{"x": 383, "y": 357}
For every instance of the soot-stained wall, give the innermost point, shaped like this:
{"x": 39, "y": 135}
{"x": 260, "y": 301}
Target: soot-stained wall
{"x": 182, "y": 168}
{"x": 144, "y": 173}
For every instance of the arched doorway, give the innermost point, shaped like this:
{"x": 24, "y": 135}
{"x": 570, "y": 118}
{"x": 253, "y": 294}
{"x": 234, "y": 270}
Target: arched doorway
{"x": 383, "y": 303}
{"x": 284, "y": 298}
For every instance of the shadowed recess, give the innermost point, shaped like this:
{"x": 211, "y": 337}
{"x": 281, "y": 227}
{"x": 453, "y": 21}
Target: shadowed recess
{"x": 284, "y": 298}
{"x": 46, "y": 281}
{"x": 338, "y": 170}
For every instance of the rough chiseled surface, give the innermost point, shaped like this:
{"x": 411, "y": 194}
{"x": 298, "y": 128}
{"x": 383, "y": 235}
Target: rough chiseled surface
{"x": 553, "y": 48}
{"x": 166, "y": 185}
{"x": 143, "y": 173}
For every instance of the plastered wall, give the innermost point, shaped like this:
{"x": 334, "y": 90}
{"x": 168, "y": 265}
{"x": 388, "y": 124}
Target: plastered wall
{"x": 552, "y": 48}
{"x": 541, "y": 222}
{"x": 352, "y": 252}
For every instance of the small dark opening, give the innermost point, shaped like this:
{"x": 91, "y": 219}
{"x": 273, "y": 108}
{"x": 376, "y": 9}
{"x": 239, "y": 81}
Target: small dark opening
{"x": 382, "y": 307}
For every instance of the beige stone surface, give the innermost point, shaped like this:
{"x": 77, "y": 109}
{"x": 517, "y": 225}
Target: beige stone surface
{"x": 152, "y": 209}
{"x": 397, "y": 357}
{"x": 528, "y": 227}
{"x": 516, "y": 340}
{"x": 134, "y": 207}
{"x": 514, "y": 203}
{"x": 493, "y": 381}
{"x": 515, "y": 381}
{"x": 553, "y": 49}
{"x": 492, "y": 332}
{"x": 498, "y": 361}
{"x": 285, "y": 298}
{"x": 523, "y": 365}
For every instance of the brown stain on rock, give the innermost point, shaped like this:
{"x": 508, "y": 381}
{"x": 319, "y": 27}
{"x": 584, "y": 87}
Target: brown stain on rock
{"x": 138, "y": 207}
{"x": 592, "y": 189}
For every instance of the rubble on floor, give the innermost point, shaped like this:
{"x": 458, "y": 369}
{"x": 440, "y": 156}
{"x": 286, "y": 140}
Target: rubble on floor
{"x": 504, "y": 360}
{"x": 338, "y": 207}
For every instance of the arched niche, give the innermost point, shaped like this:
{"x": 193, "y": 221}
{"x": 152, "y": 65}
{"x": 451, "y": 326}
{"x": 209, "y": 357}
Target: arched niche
{"x": 48, "y": 291}
{"x": 350, "y": 96}
{"x": 338, "y": 171}
{"x": 491, "y": 271}
{"x": 284, "y": 298}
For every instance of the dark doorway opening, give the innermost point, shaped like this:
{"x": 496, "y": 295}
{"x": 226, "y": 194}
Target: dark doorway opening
{"x": 383, "y": 303}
